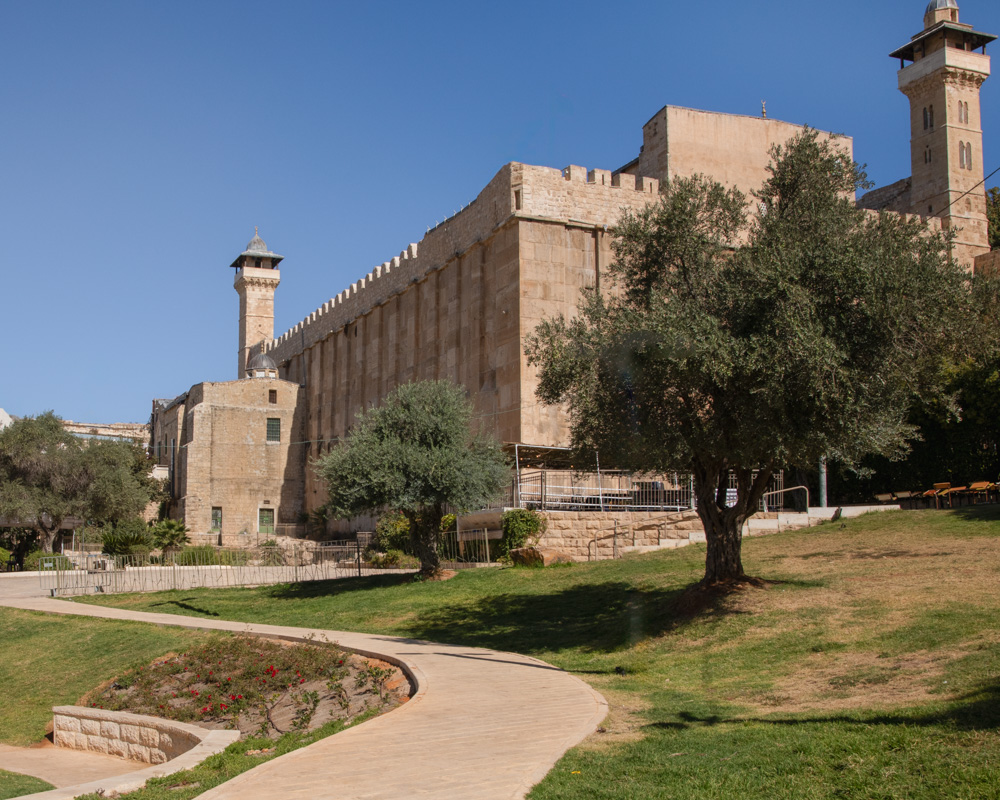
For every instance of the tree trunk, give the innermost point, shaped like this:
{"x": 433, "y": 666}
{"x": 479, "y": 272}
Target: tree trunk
{"x": 424, "y": 533}
{"x": 723, "y": 523}
{"x": 46, "y": 536}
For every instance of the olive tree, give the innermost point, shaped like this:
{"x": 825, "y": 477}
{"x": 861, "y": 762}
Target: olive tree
{"x": 416, "y": 454}
{"x": 744, "y": 341}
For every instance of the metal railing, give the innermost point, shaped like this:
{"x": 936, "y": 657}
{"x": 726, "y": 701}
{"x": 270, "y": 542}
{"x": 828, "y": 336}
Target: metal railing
{"x": 224, "y": 567}
{"x": 566, "y": 490}
{"x": 782, "y": 492}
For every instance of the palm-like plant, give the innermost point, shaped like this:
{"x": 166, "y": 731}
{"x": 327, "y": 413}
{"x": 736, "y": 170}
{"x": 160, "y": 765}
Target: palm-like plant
{"x": 170, "y": 535}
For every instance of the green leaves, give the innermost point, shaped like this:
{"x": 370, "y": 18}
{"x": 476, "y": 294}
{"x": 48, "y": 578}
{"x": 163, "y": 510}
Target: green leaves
{"x": 736, "y": 341}
{"x": 415, "y": 454}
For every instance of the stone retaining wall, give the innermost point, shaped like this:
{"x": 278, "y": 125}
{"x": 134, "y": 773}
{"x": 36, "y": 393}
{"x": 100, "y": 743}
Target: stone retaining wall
{"x": 150, "y": 740}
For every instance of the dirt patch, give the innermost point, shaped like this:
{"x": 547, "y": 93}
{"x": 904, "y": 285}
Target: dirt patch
{"x": 257, "y": 686}
{"x": 842, "y": 681}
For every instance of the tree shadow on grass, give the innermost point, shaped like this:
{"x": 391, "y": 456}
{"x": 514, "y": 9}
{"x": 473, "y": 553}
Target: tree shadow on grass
{"x": 974, "y": 711}
{"x": 186, "y": 606}
{"x": 338, "y": 586}
{"x": 602, "y": 617}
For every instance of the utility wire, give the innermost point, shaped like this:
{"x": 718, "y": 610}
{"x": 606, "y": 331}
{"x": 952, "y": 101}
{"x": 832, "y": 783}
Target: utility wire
{"x": 972, "y": 189}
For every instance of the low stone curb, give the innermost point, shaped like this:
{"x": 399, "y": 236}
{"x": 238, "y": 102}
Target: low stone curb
{"x": 207, "y": 743}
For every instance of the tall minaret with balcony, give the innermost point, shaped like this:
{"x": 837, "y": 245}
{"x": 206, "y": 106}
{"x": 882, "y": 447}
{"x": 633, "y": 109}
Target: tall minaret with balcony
{"x": 257, "y": 276}
{"x": 942, "y": 83}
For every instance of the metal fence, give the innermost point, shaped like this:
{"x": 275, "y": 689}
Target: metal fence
{"x": 222, "y": 567}
{"x": 566, "y": 490}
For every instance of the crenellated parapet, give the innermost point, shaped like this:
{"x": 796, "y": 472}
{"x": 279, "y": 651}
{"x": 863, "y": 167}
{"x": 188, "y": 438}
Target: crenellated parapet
{"x": 573, "y": 196}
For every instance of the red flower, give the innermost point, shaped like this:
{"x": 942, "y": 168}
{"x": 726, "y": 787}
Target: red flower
{"x": 302, "y": 681}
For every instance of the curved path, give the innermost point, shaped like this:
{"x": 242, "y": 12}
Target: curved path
{"x": 482, "y": 724}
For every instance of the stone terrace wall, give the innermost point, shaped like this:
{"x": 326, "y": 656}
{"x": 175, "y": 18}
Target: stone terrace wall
{"x": 150, "y": 740}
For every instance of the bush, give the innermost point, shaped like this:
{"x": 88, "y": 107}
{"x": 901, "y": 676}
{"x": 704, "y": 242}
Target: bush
{"x": 521, "y": 527}
{"x": 392, "y": 532}
{"x": 31, "y": 560}
{"x": 4, "y": 558}
{"x": 393, "y": 559}
{"x": 126, "y": 538}
{"x": 197, "y": 555}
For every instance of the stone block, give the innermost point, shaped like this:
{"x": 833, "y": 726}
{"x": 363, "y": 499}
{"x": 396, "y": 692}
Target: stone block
{"x": 97, "y": 744}
{"x": 91, "y": 727}
{"x": 131, "y": 734}
{"x": 138, "y": 752}
{"x": 157, "y": 757}
{"x": 150, "y": 737}
{"x": 539, "y": 557}
{"x": 110, "y": 730}
{"x": 63, "y": 723}
{"x": 116, "y": 747}
{"x": 62, "y": 738}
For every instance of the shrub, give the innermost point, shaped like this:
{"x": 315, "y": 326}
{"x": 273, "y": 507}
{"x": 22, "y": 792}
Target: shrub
{"x": 392, "y": 532}
{"x": 4, "y": 558}
{"x": 196, "y": 555}
{"x": 393, "y": 559}
{"x": 31, "y": 560}
{"x": 128, "y": 537}
{"x": 170, "y": 534}
{"x": 521, "y": 527}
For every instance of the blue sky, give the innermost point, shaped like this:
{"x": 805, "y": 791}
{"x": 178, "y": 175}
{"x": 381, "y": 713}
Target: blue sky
{"x": 143, "y": 142}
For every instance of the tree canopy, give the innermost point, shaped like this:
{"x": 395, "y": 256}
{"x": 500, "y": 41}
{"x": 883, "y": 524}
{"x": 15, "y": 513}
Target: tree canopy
{"x": 746, "y": 341}
{"x": 416, "y": 454}
{"x": 993, "y": 217}
{"x": 47, "y": 475}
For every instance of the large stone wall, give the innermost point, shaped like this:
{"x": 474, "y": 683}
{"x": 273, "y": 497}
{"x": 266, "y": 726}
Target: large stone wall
{"x": 458, "y": 305}
{"x": 733, "y": 149}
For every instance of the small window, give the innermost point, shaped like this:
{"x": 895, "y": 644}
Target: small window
{"x": 961, "y": 155}
{"x": 272, "y": 396}
{"x": 216, "y": 518}
{"x": 274, "y": 429}
{"x": 265, "y": 520}
{"x": 925, "y": 118}
{"x": 968, "y": 155}
{"x": 930, "y": 115}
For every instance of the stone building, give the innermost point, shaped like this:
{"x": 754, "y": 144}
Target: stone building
{"x": 459, "y": 304}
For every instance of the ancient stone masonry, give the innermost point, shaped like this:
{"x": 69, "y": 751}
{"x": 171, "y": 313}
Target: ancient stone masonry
{"x": 459, "y": 304}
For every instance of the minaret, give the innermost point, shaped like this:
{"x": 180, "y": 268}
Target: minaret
{"x": 946, "y": 136}
{"x": 257, "y": 276}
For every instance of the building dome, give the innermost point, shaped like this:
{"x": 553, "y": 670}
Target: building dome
{"x": 940, "y": 5}
{"x": 261, "y": 361}
{"x": 258, "y": 245}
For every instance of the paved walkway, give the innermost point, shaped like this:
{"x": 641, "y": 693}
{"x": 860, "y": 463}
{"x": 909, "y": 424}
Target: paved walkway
{"x": 483, "y": 725}
{"x": 62, "y": 767}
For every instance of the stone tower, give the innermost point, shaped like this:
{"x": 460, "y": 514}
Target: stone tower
{"x": 946, "y": 136}
{"x": 257, "y": 276}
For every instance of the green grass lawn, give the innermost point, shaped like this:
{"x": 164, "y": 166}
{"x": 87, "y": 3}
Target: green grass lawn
{"x": 50, "y": 660}
{"x": 868, "y": 668}
{"x": 13, "y": 784}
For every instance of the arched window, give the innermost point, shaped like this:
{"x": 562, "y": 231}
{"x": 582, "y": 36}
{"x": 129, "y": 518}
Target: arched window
{"x": 930, "y": 115}
{"x": 961, "y": 112}
{"x": 925, "y": 117}
{"x": 961, "y": 155}
{"x": 968, "y": 155}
